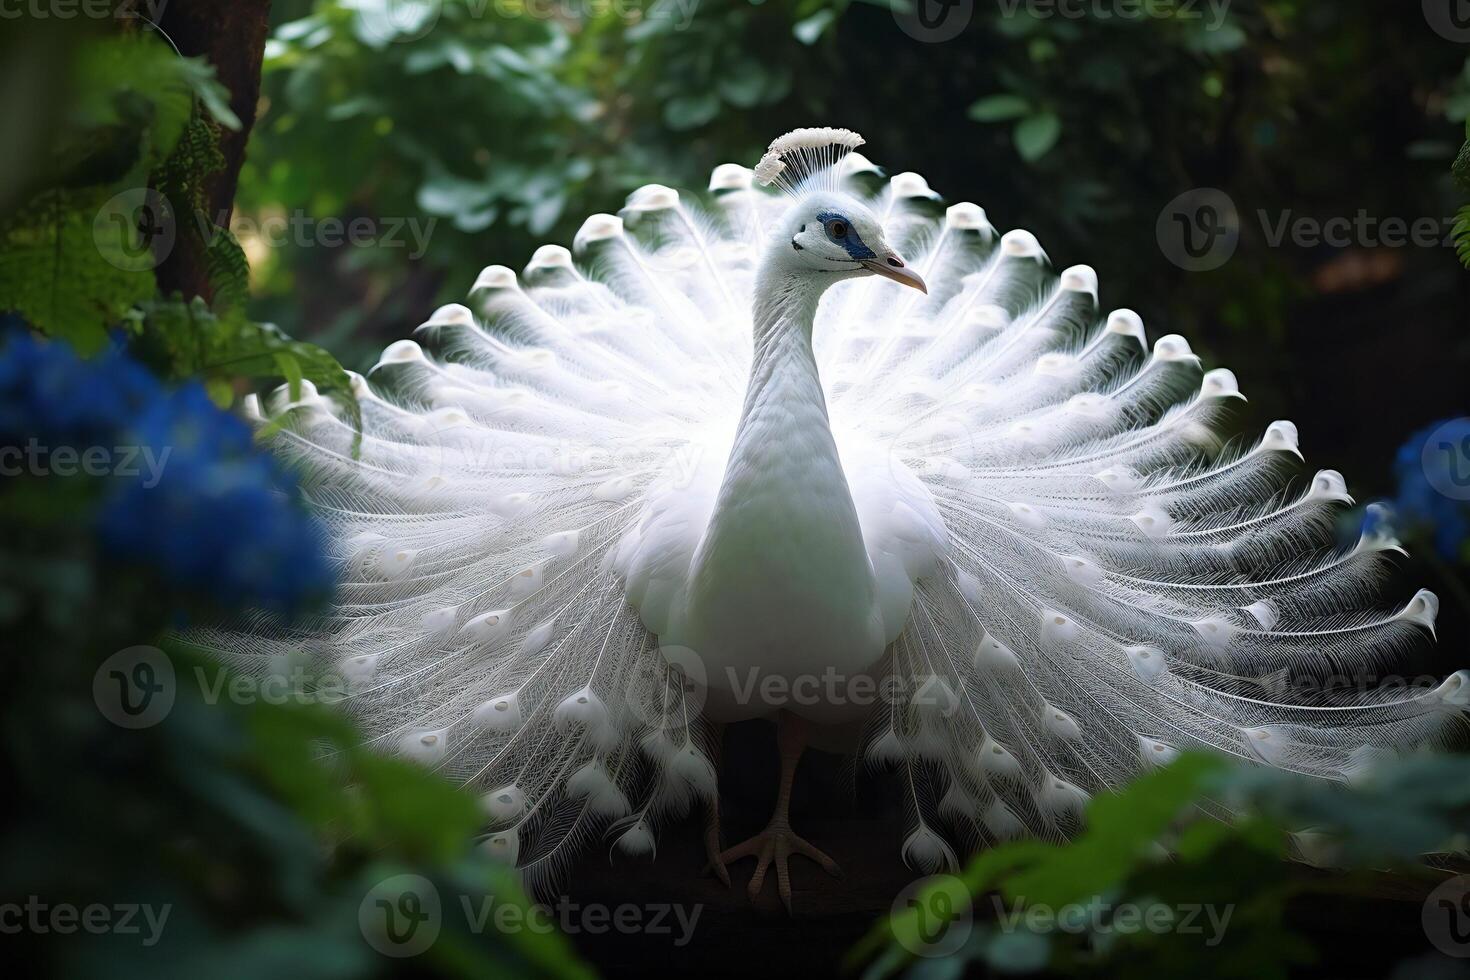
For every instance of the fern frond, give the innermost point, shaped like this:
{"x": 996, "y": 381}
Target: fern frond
{"x": 1462, "y": 235}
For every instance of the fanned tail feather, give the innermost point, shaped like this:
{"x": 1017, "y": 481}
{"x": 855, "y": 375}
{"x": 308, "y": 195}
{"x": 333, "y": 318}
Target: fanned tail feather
{"x": 1121, "y": 583}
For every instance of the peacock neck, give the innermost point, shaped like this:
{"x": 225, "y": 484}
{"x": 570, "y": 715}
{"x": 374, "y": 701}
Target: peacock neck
{"x": 784, "y": 534}
{"x": 783, "y": 369}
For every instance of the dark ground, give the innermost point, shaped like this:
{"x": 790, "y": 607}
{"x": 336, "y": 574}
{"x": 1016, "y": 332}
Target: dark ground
{"x": 1366, "y": 935}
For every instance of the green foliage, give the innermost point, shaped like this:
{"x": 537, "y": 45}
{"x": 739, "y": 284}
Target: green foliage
{"x": 262, "y": 827}
{"x": 508, "y": 127}
{"x": 131, "y": 157}
{"x": 511, "y": 128}
{"x": 70, "y": 270}
{"x": 1402, "y": 812}
{"x": 250, "y": 814}
{"x": 193, "y": 341}
{"x": 71, "y": 260}
{"x": 1462, "y": 235}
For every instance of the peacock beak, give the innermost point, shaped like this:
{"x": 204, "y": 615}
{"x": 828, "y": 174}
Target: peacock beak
{"x": 890, "y": 266}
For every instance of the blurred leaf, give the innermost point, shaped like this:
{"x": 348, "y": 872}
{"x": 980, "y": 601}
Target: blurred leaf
{"x": 1220, "y": 40}
{"x": 690, "y": 111}
{"x": 810, "y": 30}
{"x": 1036, "y": 135}
{"x": 72, "y": 270}
{"x": 998, "y": 108}
{"x": 1121, "y": 829}
{"x": 1462, "y": 235}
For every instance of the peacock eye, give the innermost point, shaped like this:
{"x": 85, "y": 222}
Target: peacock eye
{"x": 837, "y": 229}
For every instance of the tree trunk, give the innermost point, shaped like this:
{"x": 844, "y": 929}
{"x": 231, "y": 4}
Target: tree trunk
{"x": 231, "y": 35}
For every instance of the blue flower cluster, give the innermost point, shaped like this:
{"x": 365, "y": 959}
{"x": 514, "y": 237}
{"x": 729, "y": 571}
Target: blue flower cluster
{"x": 1433, "y": 473}
{"x": 211, "y": 515}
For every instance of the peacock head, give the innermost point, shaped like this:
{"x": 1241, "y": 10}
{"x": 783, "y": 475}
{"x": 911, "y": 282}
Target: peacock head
{"x": 826, "y": 232}
{"x": 830, "y": 234}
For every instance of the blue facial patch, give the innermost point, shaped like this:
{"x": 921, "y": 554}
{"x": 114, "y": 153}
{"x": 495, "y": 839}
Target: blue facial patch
{"x": 850, "y": 241}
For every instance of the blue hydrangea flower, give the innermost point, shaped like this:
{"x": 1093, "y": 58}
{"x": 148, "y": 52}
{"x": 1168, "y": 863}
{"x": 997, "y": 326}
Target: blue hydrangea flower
{"x": 1434, "y": 485}
{"x": 199, "y": 505}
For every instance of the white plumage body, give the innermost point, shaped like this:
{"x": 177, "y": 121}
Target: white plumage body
{"x": 800, "y": 563}
{"x": 994, "y": 495}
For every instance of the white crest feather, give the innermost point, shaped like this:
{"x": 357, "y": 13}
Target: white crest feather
{"x": 804, "y": 158}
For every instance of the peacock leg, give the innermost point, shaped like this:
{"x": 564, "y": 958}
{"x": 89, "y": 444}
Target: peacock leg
{"x": 712, "y": 821}
{"x": 775, "y": 844}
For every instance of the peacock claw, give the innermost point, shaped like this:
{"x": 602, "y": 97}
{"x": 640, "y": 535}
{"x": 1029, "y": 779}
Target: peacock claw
{"x": 715, "y": 865}
{"x": 716, "y": 861}
{"x": 773, "y": 846}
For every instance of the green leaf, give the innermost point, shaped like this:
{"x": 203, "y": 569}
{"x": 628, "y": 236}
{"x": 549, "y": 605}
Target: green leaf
{"x": 1036, "y": 135}
{"x": 1223, "y": 39}
{"x": 447, "y": 195}
{"x": 999, "y": 108}
{"x": 290, "y": 370}
{"x": 73, "y": 263}
{"x": 192, "y": 340}
{"x": 690, "y": 111}
{"x": 810, "y": 30}
{"x": 228, "y": 270}
{"x": 1462, "y": 167}
{"x": 1462, "y": 235}
{"x": 745, "y": 86}
{"x": 220, "y": 392}
{"x": 1121, "y": 828}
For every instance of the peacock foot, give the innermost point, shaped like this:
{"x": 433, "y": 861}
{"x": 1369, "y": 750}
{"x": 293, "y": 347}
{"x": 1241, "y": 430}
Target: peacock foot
{"x": 715, "y": 860}
{"x": 773, "y": 846}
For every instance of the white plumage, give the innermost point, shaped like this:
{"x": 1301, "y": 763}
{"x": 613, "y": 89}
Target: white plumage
{"x": 625, "y": 484}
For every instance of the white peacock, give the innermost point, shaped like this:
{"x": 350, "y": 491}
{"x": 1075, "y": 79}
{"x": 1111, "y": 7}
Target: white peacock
{"x": 727, "y": 458}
